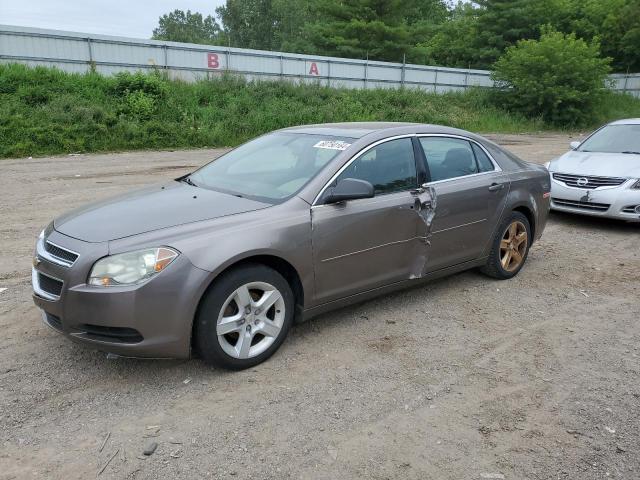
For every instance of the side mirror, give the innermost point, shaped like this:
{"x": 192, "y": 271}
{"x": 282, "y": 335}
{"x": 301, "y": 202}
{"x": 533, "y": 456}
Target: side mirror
{"x": 349, "y": 189}
{"x": 574, "y": 145}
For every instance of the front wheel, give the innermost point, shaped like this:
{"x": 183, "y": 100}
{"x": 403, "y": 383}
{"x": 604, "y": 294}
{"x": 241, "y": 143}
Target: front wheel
{"x": 244, "y": 317}
{"x": 510, "y": 247}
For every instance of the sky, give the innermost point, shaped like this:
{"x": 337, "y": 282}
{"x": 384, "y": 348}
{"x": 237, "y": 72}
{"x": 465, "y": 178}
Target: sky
{"x": 128, "y": 18}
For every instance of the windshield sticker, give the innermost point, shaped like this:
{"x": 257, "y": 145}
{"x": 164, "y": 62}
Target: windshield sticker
{"x": 332, "y": 144}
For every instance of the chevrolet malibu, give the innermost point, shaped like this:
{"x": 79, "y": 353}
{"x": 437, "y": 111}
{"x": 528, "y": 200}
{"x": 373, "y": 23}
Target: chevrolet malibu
{"x": 600, "y": 176}
{"x": 292, "y": 224}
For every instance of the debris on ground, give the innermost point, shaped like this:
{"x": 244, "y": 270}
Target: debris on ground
{"x": 333, "y": 453}
{"x": 152, "y": 433}
{"x": 150, "y": 448}
{"x": 104, "y": 442}
{"x": 108, "y": 461}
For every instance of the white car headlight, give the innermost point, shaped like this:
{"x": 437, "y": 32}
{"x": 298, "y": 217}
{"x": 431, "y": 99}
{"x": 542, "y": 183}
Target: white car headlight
{"x": 636, "y": 185}
{"x": 547, "y": 165}
{"x": 130, "y": 268}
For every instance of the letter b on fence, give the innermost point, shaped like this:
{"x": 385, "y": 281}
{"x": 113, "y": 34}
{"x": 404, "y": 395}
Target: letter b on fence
{"x": 212, "y": 60}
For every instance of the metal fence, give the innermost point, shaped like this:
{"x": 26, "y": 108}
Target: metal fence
{"x": 80, "y": 52}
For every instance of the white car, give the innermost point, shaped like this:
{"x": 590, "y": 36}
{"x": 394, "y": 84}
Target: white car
{"x": 601, "y": 175}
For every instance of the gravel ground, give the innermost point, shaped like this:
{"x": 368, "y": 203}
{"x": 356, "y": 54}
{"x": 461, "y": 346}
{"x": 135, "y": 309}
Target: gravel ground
{"x": 461, "y": 378}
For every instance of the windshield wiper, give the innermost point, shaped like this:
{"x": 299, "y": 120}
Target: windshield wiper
{"x": 188, "y": 180}
{"x": 630, "y": 152}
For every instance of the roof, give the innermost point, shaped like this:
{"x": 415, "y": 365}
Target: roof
{"x": 361, "y": 129}
{"x": 626, "y": 121}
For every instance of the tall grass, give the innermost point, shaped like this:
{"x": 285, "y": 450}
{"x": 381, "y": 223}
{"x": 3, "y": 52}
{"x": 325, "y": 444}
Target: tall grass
{"x": 47, "y": 111}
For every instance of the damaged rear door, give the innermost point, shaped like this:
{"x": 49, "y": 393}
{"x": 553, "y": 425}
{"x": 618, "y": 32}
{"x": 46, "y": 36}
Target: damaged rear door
{"x": 359, "y": 245}
{"x": 471, "y": 192}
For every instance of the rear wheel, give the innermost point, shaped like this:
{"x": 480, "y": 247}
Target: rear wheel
{"x": 244, "y": 317}
{"x": 510, "y": 247}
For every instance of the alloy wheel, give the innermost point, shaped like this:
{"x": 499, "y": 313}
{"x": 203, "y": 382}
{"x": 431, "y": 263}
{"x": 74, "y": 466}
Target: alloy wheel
{"x": 250, "y": 320}
{"x": 513, "y": 246}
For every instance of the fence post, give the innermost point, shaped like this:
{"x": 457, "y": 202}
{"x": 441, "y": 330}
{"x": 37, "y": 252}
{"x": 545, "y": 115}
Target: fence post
{"x": 90, "y": 62}
{"x": 402, "y": 74}
{"x": 435, "y": 82}
{"x": 281, "y": 67}
{"x": 166, "y": 61}
{"x": 626, "y": 79}
{"x": 366, "y": 70}
{"x": 466, "y": 79}
{"x": 328, "y": 73}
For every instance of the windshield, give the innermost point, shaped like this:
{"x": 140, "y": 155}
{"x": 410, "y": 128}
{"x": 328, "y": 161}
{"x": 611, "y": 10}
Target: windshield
{"x": 270, "y": 168}
{"x": 614, "y": 139}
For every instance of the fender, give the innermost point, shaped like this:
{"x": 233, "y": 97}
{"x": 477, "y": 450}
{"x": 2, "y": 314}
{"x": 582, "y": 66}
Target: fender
{"x": 234, "y": 238}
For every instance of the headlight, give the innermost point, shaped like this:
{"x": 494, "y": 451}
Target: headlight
{"x": 547, "y": 165}
{"x": 636, "y": 185}
{"x": 131, "y": 268}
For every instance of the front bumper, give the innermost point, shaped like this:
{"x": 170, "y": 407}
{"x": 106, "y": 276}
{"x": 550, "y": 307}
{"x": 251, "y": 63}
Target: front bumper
{"x": 152, "y": 320}
{"x": 609, "y": 202}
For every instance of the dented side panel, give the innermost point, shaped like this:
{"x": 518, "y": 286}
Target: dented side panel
{"x": 364, "y": 244}
{"x": 425, "y": 208}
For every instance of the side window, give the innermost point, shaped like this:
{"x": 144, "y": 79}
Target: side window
{"x": 484, "y": 163}
{"x": 389, "y": 167}
{"x": 448, "y": 157}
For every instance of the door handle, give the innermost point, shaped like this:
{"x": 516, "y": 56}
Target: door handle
{"x": 496, "y": 186}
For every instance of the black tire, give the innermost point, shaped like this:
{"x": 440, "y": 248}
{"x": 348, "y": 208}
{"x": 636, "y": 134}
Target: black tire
{"x": 206, "y": 338}
{"x": 494, "y": 267}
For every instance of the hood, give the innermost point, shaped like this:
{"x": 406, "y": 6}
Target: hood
{"x": 598, "y": 164}
{"x": 150, "y": 209}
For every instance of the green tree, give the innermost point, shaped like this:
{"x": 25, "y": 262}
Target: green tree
{"x": 502, "y": 23}
{"x": 451, "y": 42}
{"x": 290, "y": 20}
{"x": 478, "y": 33}
{"x": 377, "y": 29}
{"x": 266, "y": 24}
{"x": 248, "y": 23}
{"x": 559, "y": 77}
{"x": 615, "y": 23}
{"x": 188, "y": 27}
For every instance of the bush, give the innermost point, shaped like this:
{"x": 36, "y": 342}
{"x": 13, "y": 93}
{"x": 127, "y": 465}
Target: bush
{"x": 153, "y": 84}
{"x": 45, "y": 111}
{"x": 139, "y": 105}
{"x": 34, "y": 95}
{"x": 559, "y": 78}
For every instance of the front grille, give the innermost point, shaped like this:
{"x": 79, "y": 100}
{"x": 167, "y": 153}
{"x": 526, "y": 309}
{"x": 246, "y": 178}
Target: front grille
{"x": 590, "y": 206}
{"x": 54, "y": 321}
{"x": 49, "y": 285}
{"x": 578, "y": 181}
{"x": 60, "y": 253}
{"x": 631, "y": 209}
{"x": 111, "y": 334}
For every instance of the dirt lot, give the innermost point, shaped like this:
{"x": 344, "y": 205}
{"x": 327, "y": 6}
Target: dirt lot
{"x": 462, "y": 378}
